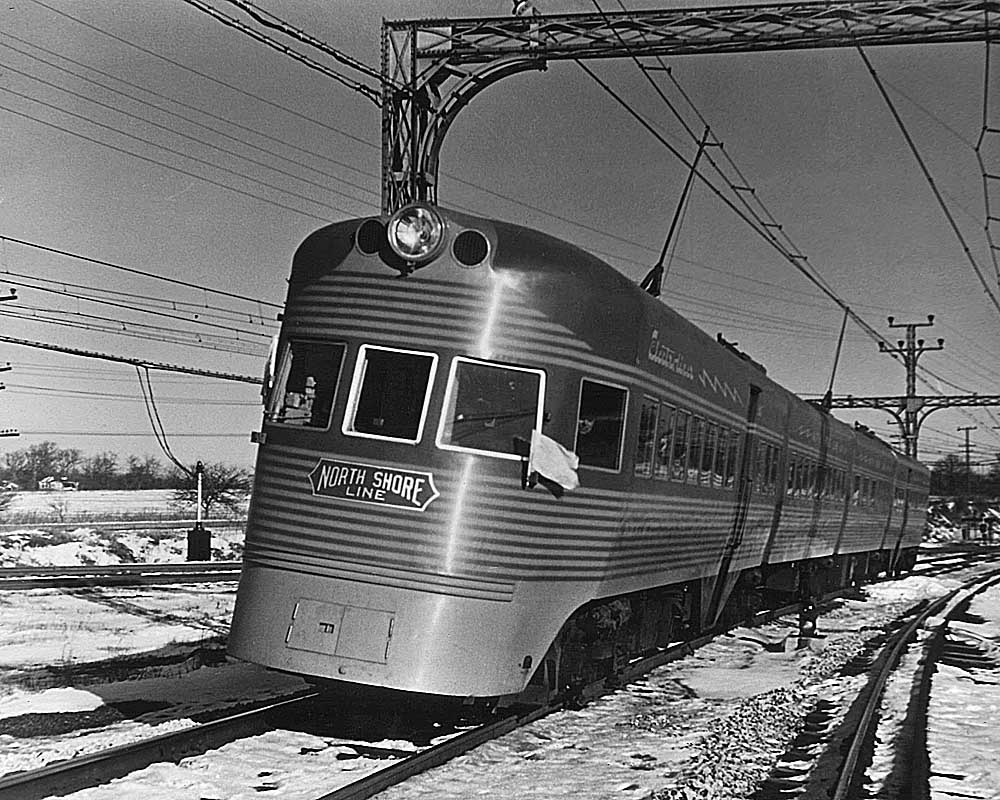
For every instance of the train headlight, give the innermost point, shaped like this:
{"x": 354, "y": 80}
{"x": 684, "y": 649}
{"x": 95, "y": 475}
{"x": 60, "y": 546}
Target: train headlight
{"x": 416, "y": 233}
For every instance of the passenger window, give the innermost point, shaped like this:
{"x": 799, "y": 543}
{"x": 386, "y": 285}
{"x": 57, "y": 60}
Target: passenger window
{"x": 734, "y": 451}
{"x": 646, "y": 446}
{"x": 600, "y": 425}
{"x": 487, "y": 406}
{"x": 389, "y": 394}
{"x": 708, "y": 453}
{"x": 678, "y": 463}
{"x": 305, "y": 384}
{"x": 664, "y": 440}
{"x": 775, "y": 460}
{"x": 721, "y": 453}
{"x": 697, "y": 445}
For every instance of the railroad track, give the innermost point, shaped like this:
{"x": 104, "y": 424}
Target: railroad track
{"x": 99, "y": 768}
{"x": 831, "y": 756}
{"x": 124, "y": 525}
{"x": 118, "y": 575}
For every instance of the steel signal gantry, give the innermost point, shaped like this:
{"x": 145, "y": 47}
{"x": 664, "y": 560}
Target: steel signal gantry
{"x": 431, "y": 69}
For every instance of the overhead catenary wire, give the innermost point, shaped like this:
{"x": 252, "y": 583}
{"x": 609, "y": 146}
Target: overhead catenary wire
{"x": 175, "y": 152}
{"x": 111, "y": 303}
{"x": 764, "y": 227}
{"x": 136, "y": 330}
{"x": 930, "y": 179}
{"x": 159, "y": 432}
{"x": 269, "y": 20}
{"x": 143, "y": 303}
{"x": 144, "y": 273}
{"x": 163, "y": 164}
{"x": 274, "y": 140}
{"x": 181, "y": 134}
{"x": 363, "y": 89}
{"x": 155, "y": 365}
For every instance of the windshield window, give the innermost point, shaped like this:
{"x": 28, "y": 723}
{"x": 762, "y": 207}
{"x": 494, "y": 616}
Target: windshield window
{"x": 389, "y": 393}
{"x": 305, "y": 384}
{"x": 488, "y": 405}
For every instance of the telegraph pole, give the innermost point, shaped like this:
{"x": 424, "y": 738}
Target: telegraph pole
{"x": 968, "y": 457}
{"x": 6, "y": 368}
{"x": 910, "y": 350}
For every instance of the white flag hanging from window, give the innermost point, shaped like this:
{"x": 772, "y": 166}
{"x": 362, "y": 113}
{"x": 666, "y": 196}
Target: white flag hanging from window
{"x": 553, "y": 461}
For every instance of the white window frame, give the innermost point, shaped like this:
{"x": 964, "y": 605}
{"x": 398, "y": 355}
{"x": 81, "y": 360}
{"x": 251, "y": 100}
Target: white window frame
{"x": 448, "y": 409}
{"x": 280, "y": 379}
{"x": 360, "y": 368}
{"x": 624, "y": 431}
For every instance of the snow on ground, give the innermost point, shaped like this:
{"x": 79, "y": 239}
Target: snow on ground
{"x": 671, "y": 729}
{"x": 963, "y": 734}
{"x": 106, "y": 503}
{"x": 670, "y": 735}
{"x": 92, "y": 545}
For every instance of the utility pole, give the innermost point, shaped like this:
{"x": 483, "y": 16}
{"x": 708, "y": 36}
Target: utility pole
{"x": 968, "y": 457}
{"x": 911, "y": 349}
{"x": 7, "y": 367}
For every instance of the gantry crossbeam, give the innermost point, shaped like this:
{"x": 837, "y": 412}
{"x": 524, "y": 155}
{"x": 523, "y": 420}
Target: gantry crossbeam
{"x": 432, "y": 68}
{"x": 910, "y": 412}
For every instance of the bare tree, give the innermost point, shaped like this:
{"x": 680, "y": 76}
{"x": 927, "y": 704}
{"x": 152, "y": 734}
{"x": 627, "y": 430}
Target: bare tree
{"x": 223, "y": 485}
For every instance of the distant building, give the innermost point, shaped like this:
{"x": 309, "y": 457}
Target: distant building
{"x": 51, "y": 484}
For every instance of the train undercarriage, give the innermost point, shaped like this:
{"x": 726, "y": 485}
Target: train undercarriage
{"x": 604, "y": 636}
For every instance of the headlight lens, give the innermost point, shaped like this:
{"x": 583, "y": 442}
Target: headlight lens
{"x": 416, "y": 233}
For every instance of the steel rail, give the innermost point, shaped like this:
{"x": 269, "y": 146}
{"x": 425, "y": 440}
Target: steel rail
{"x": 852, "y": 771}
{"x": 121, "y": 524}
{"x": 43, "y": 577}
{"x": 63, "y": 777}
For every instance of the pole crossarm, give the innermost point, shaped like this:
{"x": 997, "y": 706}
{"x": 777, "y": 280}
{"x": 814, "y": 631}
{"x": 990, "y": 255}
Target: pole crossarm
{"x": 432, "y": 68}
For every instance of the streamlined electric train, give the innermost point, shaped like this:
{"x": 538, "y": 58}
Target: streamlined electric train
{"x": 490, "y": 462}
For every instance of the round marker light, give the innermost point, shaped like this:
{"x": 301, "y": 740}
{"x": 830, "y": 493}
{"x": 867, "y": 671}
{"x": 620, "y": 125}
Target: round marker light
{"x": 416, "y": 233}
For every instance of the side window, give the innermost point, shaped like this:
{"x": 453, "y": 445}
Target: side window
{"x": 775, "y": 461}
{"x": 679, "y": 460}
{"x": 645, "y": 449}
{"x": 734, "y": 452}
{"x": 305, "y": 384}
{"x": 759, "y": 473}
{"x": 389, "y": 394}
{"x": 697, "y": 445}
{"x": 665, "y": 440}
{"x": 708, "y": 453}
{"x": 488, "y": 405}
{"x": 600, "y": 425}
{"x": 721, "y": 454}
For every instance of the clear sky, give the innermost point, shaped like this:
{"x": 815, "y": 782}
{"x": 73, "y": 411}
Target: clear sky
{"x": 150, "y": 136}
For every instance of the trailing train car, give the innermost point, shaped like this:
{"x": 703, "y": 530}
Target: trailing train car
{"x": 488, "y": 458}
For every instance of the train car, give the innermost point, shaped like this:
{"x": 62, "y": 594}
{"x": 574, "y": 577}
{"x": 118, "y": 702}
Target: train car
{"x": 489, "y": 462}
